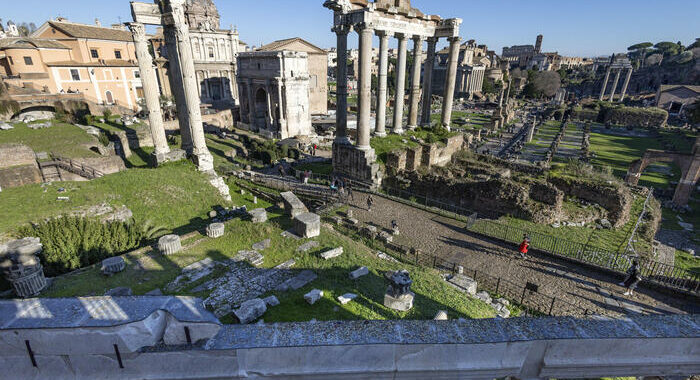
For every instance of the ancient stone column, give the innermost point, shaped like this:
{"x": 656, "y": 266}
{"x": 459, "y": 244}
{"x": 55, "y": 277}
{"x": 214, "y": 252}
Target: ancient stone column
{"x": 627, "y": 82}
{"x": 177, "y": 89}
{"x": 380, "y": 128}
{"x": 605, "y": 83}
{"x": 415, "y": 82}
{"x": 450, "y": 78}
{"x": 341, "y": 117}
{"x": 268, "y": 120}
{"x": 365, "y": 85}
{"x": 251, "y": 103}
{"x": 200, "y": 154}
{"x": 614, "y": 86}
{"x": 428, "y": 81}
{"x": 150, "y": 92}
{"x": 280, "y": 116}
{"x": 400, "y": 84}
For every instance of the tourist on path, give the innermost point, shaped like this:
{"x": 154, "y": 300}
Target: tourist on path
{"x": 282, "y": 171}
{"x": 524, "y": 247}
{"x": 634, "y": 276}
{"x": 349, "y": 189}
{"x": 370, "y": 202}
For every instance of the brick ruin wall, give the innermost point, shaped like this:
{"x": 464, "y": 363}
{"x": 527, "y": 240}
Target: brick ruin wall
{"x": 617, "y": 200}
{"x": 540, "y": 203}
{"x": 490, "y": 187}
{"x": 427, "y": 155}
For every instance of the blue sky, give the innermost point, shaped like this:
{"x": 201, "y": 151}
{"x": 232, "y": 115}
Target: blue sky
{"x": 582, "y": 28}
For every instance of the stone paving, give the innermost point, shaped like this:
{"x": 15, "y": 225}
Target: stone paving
{"x": 537, "y": 149}
{"x": 240, "y": 283}
{"x": 570, "y": 145}
{"x": 448, "y": 239}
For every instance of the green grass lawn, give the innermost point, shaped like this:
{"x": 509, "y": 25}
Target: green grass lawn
{"x": 156, "y": 271}
{"x": 688, "y": 262}
{"x": 172, "y": 195}
{"x": 618, "y": 153}
{"x": 63, "y": 139}
{"x": 476, "y": 121}
{"x": 316, "y": 168}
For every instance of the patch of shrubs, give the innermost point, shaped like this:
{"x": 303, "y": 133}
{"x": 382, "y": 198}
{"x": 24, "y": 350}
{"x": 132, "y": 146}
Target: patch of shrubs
{"x": 268, "y": 152}
{"x": 72, "y": 242}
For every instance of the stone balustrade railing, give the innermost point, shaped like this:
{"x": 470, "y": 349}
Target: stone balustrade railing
{"x": 176, "y": 338}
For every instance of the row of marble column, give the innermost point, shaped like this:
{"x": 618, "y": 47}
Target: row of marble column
{"x": 366, "y": 34}
{"x": 615, "y": 82}
{"x": 185, "y": 88}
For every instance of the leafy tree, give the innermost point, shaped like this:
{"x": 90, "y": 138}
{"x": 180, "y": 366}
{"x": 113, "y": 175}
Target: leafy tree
{"x": 640, "y": 46}
{"x": 695, "y": 44}
{"x": 668, "y": 49}
{"x": 547, "y": 83}
{"x": 638, "y": 51}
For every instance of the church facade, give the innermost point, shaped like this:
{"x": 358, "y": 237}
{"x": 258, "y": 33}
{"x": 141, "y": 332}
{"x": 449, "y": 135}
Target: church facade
{"x": 214, "y": 50}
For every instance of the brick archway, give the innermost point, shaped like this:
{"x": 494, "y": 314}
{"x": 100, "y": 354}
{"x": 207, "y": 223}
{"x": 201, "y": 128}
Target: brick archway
{"x": 689, "y": 164}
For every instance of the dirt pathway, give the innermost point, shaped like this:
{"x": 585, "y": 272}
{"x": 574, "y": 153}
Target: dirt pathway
{"x": 448, "y": 239}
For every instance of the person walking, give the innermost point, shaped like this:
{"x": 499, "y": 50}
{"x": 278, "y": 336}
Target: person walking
{"x": 524, "y": 247}
{"x": 348, "y": 187}
{"x": 370, "y": 202}
{"x": 634, "y": 277}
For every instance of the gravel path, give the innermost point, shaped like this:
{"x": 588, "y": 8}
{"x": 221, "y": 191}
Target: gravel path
{"x": 448, "y": 239}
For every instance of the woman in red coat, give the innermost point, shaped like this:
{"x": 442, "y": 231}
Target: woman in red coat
{"x": 524, "y": 247}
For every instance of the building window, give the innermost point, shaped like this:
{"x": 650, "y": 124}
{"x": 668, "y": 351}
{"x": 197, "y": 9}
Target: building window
{"x": 137, "y": 74}
{"x": 211, "y": 52}
{"x": 75, "y": 74}
{"x": 28, "y": 61}
{"x": 11, "y": 61}
{"x": 94, "y": 53}
{"x": 109, "y": 97}
{"x": 118, "y": 54}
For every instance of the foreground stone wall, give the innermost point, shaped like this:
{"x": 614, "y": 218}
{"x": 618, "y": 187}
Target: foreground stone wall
{"x": 147, "y": 337}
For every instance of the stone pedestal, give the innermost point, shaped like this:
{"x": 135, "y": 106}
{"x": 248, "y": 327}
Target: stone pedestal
{"x": 216, "y": 230}
{"x": 307, "y": 225}
{"x": 357, "y": 164}
{"x": 403, "y": 302}
{"x": 171, "y": 156}
{"x": 169, "y": 244}
{"x": 20, "y": 265}
{"x": 293, "y": 206}
{"x": 113, "y": 265}
{"x": 258, "y": 215}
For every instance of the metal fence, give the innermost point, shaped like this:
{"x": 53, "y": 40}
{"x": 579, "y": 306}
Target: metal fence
{"x": 653, "y": 271}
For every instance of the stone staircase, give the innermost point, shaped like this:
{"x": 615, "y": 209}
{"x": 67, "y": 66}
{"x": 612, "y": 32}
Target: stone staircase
{"x": 51, "y": 170}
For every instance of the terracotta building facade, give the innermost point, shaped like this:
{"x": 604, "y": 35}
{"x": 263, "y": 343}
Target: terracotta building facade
{"x": 66, "y": 57}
